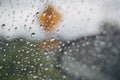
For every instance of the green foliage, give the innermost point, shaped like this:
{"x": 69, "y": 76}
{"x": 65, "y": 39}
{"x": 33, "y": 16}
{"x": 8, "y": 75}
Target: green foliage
{"x": 23, "y": 60}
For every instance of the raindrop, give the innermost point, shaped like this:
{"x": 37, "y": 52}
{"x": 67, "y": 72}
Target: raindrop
{"x": 26, "y": 20}
{"x": 21, "y": 39}
{"x": 7, "y": 44}
{"x": 24, "y": 26}
{"x": 3, "y": 26}
{"x": 30, "y": 28}
{"x": 33, "y": 21}
{"x": 91, "y": 9}
{"x": 33, "y": 6}
{"x": 8, "y": 37}
{"x": 15, "y": 28}
{"x": 27, "y": 16}
{"x": 37, "y": 13}
{"x": 4, "y": 59}
{"x": 2, "y": 12}
{"x": 1, "y": 67}
{"x": 18, "y": 62}
{"x": 13, "y": 12}
{"x": 46, "y": 69}
{"x": 21, "y": 11}
{"x": 82, "y": 1}
{"x": 41, "y": 25}
{"x": 33, "y": 35}
{"x": 88, "y": 19}
{"x": 58, "y": 30}
{"x": 64, "y": 77}
{"x": 35, "y": 77}
{"x": 41, "y": 65}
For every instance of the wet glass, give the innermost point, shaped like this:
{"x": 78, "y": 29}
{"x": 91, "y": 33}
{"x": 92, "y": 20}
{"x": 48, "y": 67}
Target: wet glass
{"x": 59, "y": 40}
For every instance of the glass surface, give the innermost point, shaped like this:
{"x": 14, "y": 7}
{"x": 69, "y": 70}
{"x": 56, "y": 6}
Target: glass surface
{"x": 59, "y": 39}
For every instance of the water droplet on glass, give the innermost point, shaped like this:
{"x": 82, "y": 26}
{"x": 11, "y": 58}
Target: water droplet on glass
{"x": 13, "y": 12}
{"x": 30, "y": 28}
{"x": 1, "y": 67}
{"x": 24, "y": 26}
{"x": 35, "y": 77}
{"x": 9, "y": 29}
{"x": 8, "y": 37}
{"x": 15, "y": 28}
{"x": 33, "y": 21}
{"x": 33, "y": 35}
{"x": 3, "y": 26}
{"x": 37, "y": 13}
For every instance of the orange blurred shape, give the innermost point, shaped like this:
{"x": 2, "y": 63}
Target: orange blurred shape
{"x": 49, "y": 18}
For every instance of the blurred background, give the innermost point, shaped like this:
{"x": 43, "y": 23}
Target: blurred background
{"x": 59, "y": 39}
